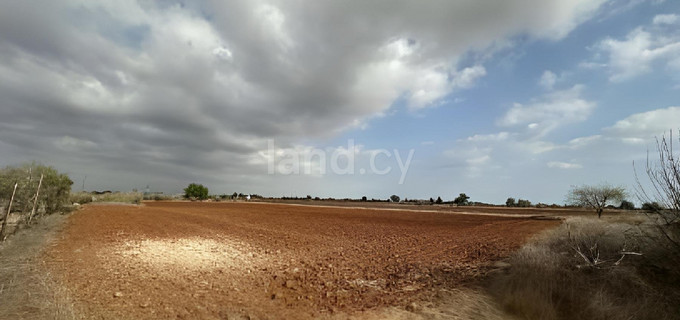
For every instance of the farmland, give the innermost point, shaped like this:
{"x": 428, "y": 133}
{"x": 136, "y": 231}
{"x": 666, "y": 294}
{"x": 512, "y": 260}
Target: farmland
{"x": 260, "y": 260}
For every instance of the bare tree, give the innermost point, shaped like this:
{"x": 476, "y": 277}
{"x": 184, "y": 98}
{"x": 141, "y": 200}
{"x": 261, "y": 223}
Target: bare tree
{"x": 595, "y": 197}
{"x": 664, "y": 177}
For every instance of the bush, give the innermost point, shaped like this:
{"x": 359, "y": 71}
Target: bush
{"x": 54, "y": 189}
{"x": 510, "y": 202}
{"x": 80, "y": 197}
{"x": 523, "y": 203}
{"x": 461, "y": 200}
{"x": 652, "y": 207}
{"x": 581, "y": 271}
{"x": 196, "y": 191}
{"x": 627, "y": 205}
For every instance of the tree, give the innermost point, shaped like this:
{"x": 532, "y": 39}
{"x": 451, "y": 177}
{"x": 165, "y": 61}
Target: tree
{"x": 664, "y": 176}
{"x": 394, "y": 198}
{"x": 595, "y": 197}
{"x": 627, "y": 205}
{"x": 197, "y": 191}
{"x": 662, "y": 199}
{"x": 651, "y": 207}
{"x": 523, "y": 203}
{"x": 461, "y": 200}
{"x": 439, "y": 200}
{"x": 364, "y": 199}
{"x": 510, "y": 202}
{"x": 431, "y": 200}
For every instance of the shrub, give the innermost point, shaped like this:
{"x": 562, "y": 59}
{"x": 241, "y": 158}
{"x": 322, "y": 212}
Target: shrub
{"x": 196, "y": 191}
{"x": 651, "y": 207}
{"x": 627, "y": 205}
{"x": 461, "y": 200}
{"x": 54, "y": 189}
{"x": 80, "y": 197}
{"x": 523, "y": 203}
{"x": 510, "y": 202}
{"x": 581, "y": 270}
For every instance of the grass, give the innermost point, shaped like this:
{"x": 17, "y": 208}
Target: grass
{"x": 27, "y": 290}
{"x": 550, "y": 279}
{"x": 120, "y": 197}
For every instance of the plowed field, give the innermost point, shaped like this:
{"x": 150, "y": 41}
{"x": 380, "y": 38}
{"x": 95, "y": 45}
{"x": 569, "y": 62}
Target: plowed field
{"x": 192, "y": 260}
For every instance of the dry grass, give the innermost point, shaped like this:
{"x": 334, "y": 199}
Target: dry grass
{"x": 27, "y": 290}
{"x": 549, "y": 279}
{"x": 119, "y": 197}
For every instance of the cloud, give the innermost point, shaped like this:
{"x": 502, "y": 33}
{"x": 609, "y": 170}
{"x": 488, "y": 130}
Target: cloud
{"x": 547, "y": 80}
{"x": 606, "y": 155}
{"x": 563, "y": 165}
{"x": 666, "y": 19}
{"x": 645, "y": 125}
{"x": 641, "y": 49}
{"x": 489, "y": 137}
{"x": 549, "y": 112}
{"x": 156, "y": 89}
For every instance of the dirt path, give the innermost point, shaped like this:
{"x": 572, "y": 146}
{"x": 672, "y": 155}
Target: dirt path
{"x": 27, "y": 290}
{"x": 225, "y": 260}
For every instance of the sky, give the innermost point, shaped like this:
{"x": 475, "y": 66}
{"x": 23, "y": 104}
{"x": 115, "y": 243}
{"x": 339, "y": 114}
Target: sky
{"x": 344, "y": 99}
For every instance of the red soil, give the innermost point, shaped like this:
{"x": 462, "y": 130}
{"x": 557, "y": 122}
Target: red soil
{"x": 217, "y": 260}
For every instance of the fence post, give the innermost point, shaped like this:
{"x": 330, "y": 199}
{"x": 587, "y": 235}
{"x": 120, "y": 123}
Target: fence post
{"x": 9, "y": 208}
{"x": 35, "y": 202}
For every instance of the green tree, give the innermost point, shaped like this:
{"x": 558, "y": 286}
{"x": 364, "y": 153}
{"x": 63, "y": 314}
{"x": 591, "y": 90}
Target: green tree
{"x": 595, "y": 197}
{"x": 395, "y": 198}
{"x": 523, "y": 203}
{"x": 54, "y": 190}
{"x": 510, "y": 202}
{"x": 627, "y": 205}
{"x": 196, "y": 191}
{"x": 439, "y": 200}
{"x": 461, "y": 200}
{"x": 652, "y": 207}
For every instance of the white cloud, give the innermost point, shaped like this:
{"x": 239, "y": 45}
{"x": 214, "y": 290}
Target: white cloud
{"x": 549, "y": 112}
{"x": 646, "y": 125}
{"x": 547, "y": 80}
{"x": 467, "y": 77}
{"x": 74, "y": 144}
{"x": 666, "y": 19}
{"x": 489, "y": 137}
{"x": 478, "y": 160}
{"x": 641, "y": 48}
{"x": 563, "y": 165}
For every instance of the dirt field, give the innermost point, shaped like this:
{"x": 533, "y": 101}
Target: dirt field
{"x": 255, "y": 260}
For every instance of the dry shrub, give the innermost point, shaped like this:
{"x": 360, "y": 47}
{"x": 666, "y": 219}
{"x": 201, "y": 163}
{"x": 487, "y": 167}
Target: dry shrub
{"x": 550, "y": 279}
{"x": 80, "y": 197}
{"x": 120, "y": 197}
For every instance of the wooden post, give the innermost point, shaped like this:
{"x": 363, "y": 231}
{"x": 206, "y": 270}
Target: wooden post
{"x": 35, "y": 201}
{"x": 9, "y": 208}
